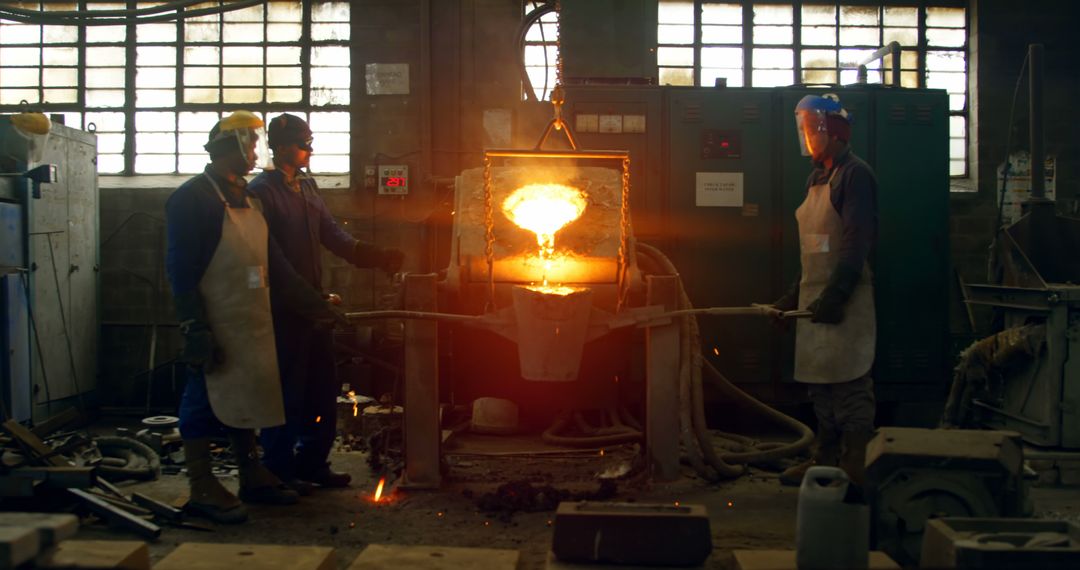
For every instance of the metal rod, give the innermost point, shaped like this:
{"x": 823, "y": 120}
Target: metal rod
{"x": 1035, "y": 85}
{"x": 585, "y": 154}
{"x": 419, "y": 315}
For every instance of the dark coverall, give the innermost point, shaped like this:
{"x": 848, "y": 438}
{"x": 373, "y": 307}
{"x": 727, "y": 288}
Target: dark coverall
{"x": 301, "y": 223}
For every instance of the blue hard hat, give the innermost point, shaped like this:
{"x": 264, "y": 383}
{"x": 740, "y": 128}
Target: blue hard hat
{"x": 828, "y": 104}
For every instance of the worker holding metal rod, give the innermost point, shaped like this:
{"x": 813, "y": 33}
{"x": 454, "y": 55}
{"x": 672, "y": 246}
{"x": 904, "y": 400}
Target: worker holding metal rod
{"x": 834, "y": 349}
{"x": 300, "y": 222}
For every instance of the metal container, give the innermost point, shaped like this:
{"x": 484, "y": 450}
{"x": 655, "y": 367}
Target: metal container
{"x": 552, "y": 325}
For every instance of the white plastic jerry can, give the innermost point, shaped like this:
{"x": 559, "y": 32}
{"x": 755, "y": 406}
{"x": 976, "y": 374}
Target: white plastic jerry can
{"x": 830, "y": 533}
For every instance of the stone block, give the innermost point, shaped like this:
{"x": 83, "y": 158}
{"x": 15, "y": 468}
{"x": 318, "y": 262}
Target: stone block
{"x": 206, "y": 556}
{"x": 395, "y": 557}
{"x": 96, "y": 555}
{"x": 632, "y": 533}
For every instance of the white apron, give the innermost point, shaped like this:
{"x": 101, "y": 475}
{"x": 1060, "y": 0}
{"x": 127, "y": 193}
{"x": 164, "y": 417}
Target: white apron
{"x": 245, "y": 391}
{"x": 830, "y": 354}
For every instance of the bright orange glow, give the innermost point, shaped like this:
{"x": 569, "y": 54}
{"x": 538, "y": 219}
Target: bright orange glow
{"x": 560, "y": 290}
{"x": 378, "y": 490}
{"x": 318, "y": 419}
{"x": 352, "y": 398}
{"x": 544, "y": 209}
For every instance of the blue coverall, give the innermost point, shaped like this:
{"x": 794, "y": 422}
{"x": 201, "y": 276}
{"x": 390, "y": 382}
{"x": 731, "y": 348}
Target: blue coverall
{"x": 301, "y": 223}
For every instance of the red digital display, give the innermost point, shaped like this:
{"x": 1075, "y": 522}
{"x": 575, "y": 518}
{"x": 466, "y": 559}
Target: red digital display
{"x": 395, "y": 181}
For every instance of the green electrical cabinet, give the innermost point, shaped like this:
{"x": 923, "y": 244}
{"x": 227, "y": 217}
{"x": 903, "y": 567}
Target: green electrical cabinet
{"x": 723, "y": 192}
{"x": 738, "y": 252}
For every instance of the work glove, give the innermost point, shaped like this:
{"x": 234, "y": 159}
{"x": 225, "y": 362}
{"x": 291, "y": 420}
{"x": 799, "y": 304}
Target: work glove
{"x": 391, "y": 260}
{"x": 788, "y": 302}
{"x": 367, "y": 256}
{"x": 200, "y": 350}
{"x": 828, "y": 308}
{"x": 330, "y": 317}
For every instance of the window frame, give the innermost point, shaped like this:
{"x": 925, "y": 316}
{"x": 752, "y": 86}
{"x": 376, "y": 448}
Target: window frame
{"x": 797, "y": 47}
{"x": 131, "y": 108}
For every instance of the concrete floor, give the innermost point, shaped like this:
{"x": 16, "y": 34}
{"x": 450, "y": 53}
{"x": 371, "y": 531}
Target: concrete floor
{"x": 751, "y": 512}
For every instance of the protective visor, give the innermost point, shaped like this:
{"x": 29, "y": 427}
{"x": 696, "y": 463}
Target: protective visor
{"x": 812, "y": 130}
{"x": 251, "y": 141}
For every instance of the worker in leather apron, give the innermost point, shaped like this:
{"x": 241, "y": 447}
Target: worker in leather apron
{"x": 220, "y": 261}
{"x": 834, "y": 349}
{"x": 302, "y": 225}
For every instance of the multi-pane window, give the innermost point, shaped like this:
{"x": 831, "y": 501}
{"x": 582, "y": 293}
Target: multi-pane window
{"x": 541, "y": 50}
{"x": 152, "y": 91}
{"x": 821, "y": 43}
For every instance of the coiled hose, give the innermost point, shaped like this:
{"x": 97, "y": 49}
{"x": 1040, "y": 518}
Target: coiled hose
{"x": 699, "y": 445}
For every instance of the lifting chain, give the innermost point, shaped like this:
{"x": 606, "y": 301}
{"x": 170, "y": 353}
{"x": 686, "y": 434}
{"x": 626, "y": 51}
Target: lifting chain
{"x": 624, "y": 238}
{"x": 489, "y": 235}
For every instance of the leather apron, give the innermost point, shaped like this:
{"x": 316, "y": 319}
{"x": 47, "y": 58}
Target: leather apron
{"x": 245, "y": 390}
{"x": 825, "y": 353}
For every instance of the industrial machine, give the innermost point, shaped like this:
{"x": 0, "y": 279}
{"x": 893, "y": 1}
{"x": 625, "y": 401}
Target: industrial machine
{"x": 1026, "y": 377}
{"x": 49, "y": 281}
{"x": 564, "y": 314}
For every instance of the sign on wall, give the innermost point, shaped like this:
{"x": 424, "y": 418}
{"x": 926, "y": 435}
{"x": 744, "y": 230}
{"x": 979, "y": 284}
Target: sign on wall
{"x": 724, "y": 189}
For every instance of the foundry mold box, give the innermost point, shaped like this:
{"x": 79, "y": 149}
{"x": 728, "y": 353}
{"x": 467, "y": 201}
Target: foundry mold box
{"x": 1000, "y": 543}
{"x": 632, "y": 533}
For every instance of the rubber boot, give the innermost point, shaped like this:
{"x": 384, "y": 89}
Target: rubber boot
{"x": 826, "y": 452}
{"x": 257, "y": 483}
{"x": 326, "y": 477}
{"x": 209, "y": 498}
{"x": 853, "y": 459}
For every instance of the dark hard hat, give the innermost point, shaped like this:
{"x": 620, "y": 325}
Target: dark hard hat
{"x": 288, "y": 129}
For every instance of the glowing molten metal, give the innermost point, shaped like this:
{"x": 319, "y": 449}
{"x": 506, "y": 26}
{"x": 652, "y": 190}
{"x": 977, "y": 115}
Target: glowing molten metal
{"x": 544, "y": 209}
{"x": 378, "y": 490}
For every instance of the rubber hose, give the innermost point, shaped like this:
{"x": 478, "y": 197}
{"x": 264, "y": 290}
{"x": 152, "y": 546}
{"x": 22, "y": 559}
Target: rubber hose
{"x": 695, "y": 401}
{"x": 763, "y": 452}
{"x": 116, "y": 446}
{"x": 551, "y": 436}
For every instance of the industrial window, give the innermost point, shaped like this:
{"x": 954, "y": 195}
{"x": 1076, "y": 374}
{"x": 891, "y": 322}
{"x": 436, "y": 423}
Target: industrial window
{"x": 776, "y": 44}
{"x": 153, "y": 90}
{"x": 540, "y": 49}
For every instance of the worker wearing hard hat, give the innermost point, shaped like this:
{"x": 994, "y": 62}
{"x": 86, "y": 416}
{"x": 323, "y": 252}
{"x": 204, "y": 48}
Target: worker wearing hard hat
{"x": 301, "y": 223}
{"x": 834, "y": 349}
{"x": 219, "y": 261}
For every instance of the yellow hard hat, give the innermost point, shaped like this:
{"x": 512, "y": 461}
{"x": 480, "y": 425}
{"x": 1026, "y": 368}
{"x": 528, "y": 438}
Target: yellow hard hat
{"x": 32, "y": 123}
{"x": 234, "y": 122}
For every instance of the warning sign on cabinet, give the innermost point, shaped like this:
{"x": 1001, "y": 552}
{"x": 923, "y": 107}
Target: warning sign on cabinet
{"x": 720, "y": 189}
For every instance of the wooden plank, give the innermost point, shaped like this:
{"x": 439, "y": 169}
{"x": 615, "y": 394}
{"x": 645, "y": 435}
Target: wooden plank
{"x": 34, "y": 443}
{"x": 96, "y": 555}
{"x": 54, "y": 423}
{"x": 662, "y": 383}
{"x": 785, "y": 560}
{"x": 397, "y": 557}
{"x": 206, "y": 556}
{"x": 115, "y": 515}
{"x": 421, "y": 386}
{"x": 51, "y": 528}
{"x": 17, "y": 545}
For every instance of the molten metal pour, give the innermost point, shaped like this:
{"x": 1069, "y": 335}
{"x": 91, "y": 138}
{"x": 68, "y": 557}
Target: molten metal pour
{"x": 544, "y": 209}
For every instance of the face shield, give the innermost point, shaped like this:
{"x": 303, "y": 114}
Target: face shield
{"x": 813, "y": 131}
{"x": 246, "y": 131}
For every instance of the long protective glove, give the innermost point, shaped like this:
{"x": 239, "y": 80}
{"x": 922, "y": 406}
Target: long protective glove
{"x": 788, "y": 302}
{"x": 303, "y": 300}
{"x": 200, "y": 350}
{"x": 367, "y": 256}
{"x": 828, "y": 308}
